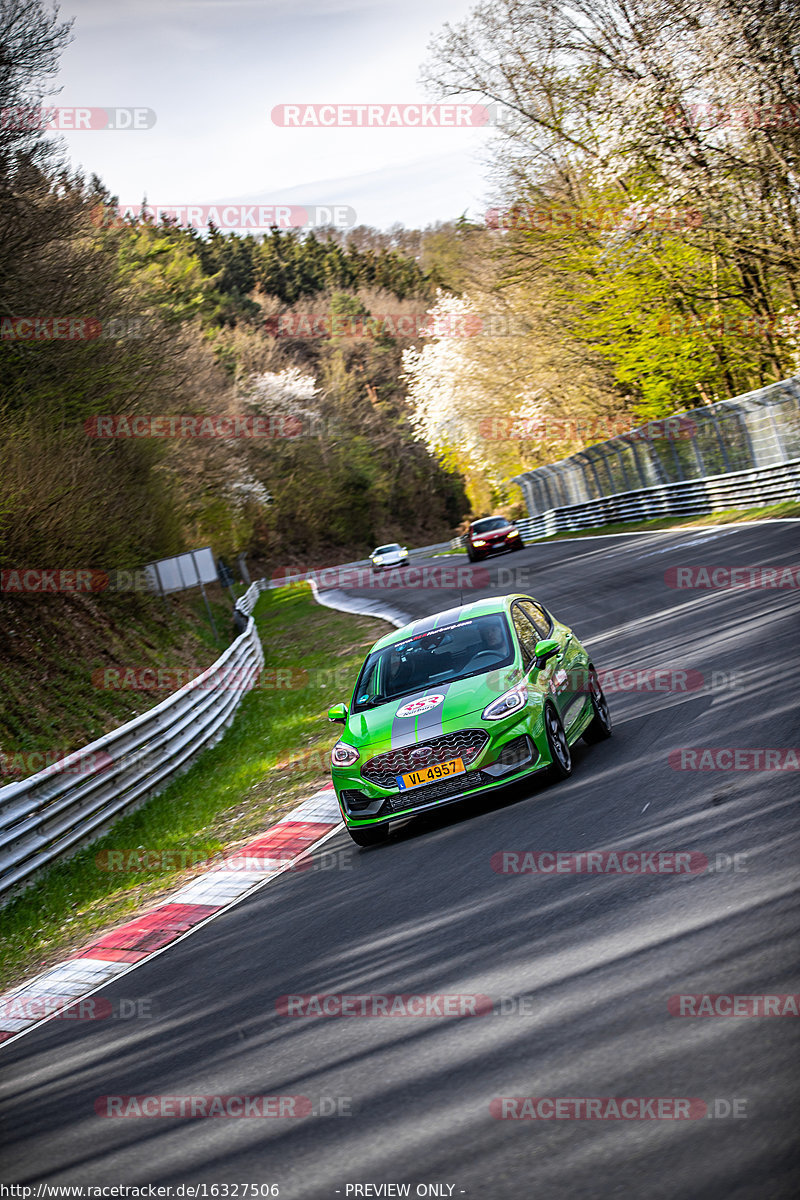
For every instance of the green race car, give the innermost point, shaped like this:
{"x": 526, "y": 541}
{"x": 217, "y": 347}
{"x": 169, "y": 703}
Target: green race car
{"x": 459, "y": 703}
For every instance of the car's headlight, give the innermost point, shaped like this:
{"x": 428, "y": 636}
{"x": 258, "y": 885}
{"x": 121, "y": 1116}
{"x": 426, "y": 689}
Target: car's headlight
{"x": 378, "y": 559}
{"x": 510, "y": 702}
{"x": 513, "y": 533}
{"x": 343, "y": 755}
{"x": 478, "y": 542}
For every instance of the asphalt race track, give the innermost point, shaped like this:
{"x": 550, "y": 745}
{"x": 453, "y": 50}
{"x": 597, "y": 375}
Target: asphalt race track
{"x": 579, "y": 967}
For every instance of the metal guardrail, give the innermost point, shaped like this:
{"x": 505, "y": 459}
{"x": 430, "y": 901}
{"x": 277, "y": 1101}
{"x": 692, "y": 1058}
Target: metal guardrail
{"x": 760, "y": 429}
{"x": 70, "y": 803}
{"x": 737, "y": 489}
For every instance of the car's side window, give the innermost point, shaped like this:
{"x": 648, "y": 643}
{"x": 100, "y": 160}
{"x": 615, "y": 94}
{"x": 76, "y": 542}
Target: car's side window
{"x": 537, "y": 616}
{"x": 526, "y": 632}
{"x": 366, "y": 685}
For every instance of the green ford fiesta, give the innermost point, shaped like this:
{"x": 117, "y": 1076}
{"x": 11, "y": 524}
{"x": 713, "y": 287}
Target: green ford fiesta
{"x": 458, "y": 703}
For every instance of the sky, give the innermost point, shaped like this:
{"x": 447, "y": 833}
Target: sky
{"x": 212, "y": 71}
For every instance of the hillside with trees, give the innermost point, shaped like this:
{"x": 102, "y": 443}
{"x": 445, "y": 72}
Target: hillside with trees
{"x": 642, "y": 259}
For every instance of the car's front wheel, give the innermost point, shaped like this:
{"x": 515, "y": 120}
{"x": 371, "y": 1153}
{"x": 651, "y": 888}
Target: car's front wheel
{"x": 370, "y": 835}
{"x": 600, "y": 726}
{"x": 557, "y": 744}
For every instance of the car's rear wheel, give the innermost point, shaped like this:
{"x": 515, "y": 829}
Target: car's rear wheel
{"x": 371, "y": 835}
{"x": 600, "y": 726}
{"x": 557, "y": 744}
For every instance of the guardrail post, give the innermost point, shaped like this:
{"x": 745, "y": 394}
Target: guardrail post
{"x": 783, "y": 456}
{"x": 632, "y": 443}
{"x": 618, "y": 453}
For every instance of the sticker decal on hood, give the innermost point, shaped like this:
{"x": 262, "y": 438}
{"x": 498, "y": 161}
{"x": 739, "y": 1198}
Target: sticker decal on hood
{"x": 417, "y": 707}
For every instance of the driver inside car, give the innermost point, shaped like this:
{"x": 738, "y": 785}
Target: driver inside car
{"x": 398, "y": 674}
{"x": 493, "y": 638}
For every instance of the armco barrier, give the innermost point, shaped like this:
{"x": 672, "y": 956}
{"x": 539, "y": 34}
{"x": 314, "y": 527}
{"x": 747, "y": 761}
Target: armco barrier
{"x": 52, "y": 813}
{"x": 747, "y": 433}
{"x": 738, "y": 489}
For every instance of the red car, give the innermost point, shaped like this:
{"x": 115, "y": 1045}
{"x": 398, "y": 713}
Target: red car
{"x": 492, "y": 535}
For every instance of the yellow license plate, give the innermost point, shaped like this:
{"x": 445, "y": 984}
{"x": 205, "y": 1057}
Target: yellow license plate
{"x": 455, "y": 766}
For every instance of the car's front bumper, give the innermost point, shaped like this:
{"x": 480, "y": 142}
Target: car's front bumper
{"x": 514, "y": 750}
{"x": 396, "y": 562}
{"x": 496, "y": 547}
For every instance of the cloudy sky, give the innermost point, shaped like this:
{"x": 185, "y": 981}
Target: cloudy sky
{"x": 213, "y": 70}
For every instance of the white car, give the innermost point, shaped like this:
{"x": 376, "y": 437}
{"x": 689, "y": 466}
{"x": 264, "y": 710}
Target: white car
{"x": 392, "y": 555}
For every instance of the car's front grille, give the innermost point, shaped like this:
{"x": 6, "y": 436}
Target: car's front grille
{"x": 465, "y": 744}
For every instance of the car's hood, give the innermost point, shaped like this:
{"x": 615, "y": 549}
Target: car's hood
{"x": 425, "y": 714}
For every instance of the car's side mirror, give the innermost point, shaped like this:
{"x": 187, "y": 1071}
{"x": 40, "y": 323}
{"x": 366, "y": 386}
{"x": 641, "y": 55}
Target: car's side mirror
{"x": 544, "y": 651}
{"x": 338, "y": 713}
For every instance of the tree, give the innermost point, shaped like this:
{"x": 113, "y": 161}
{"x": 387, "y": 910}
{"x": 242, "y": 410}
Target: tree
{"x": 682, "y": 120}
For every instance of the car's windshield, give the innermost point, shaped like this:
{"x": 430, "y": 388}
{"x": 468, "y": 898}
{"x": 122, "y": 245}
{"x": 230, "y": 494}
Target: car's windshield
{"x": 455, "y": 651}
{"x": 387, "y": 549}
{"x": 489, "y": 523}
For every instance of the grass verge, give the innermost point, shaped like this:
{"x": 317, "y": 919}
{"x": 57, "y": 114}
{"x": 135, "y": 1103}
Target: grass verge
{"x": 271, "y": 758}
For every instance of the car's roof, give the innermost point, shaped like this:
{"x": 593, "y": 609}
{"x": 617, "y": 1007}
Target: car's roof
{"x": 387, "y": 546}
{"x": 495, "y": 517}
{"x": 449, "y": 616}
